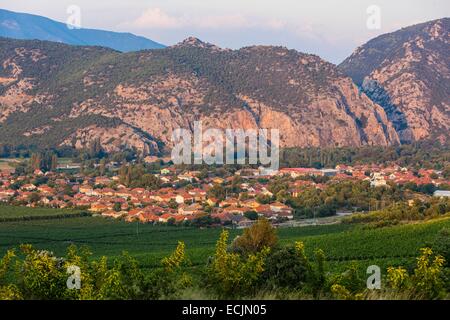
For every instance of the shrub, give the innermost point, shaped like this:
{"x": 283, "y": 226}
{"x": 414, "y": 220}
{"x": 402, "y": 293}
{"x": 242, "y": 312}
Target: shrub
{"x": 231, "y": 275}
{"x": 316, "y": 278}
{"x": 41, "y": 275}
{"x": 442, "y": 245}
{"x": 428, "y": 279}
{"x": 285, "y": 269}
{"x": 260, "y": 235}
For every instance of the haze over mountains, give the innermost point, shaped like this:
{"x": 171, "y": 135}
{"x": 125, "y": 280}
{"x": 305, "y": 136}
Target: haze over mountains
{"x": 32, "y": 27}
{"x": 55, "y": 95}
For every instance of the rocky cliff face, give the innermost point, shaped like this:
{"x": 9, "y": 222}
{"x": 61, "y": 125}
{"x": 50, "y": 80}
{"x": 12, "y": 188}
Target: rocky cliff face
{"x": 408, "y": 73}
{"x": 57, "y": 95}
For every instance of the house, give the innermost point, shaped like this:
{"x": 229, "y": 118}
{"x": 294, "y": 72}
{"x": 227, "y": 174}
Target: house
{"x": 106, "y": 192}
{"x": 154, "y": 210}
{"x": 251, "y": 203}
{"x": 329, "y": 172}
{"x": 218, "y": 180}
{"x": 241, "y": 221}
{"x": 235, "y": 210}
{"x": 138, "y": 190}
{"x": 7, "y": 193}
{"x": 377, "y": 180}
{"x": 280, "y": 207}
{"x": 28, "y": 187}
{"x": 198, "y": 194}
{"x": 46, "y": 190}
{"x": 247, "y": 172}
{"x": 44, "y": 200}
{"x": 229, "y": 202}
{"x": 102, "y": 180}
{"x": 146, "y": 217}
{"x": 86, "y": 189}
{"x": 99, "y": 207}
{"x": 164, "y": 179}
{"x": 192, "y": 209}
{"x": 38, "y": 172}
{"x": 299, "y": 172}
{"x": 164, "y": 197}
{"x": 223, "y": 216}
{"x": 165, "y": 217}
{"x": 186, "y": 177}
{"x": 287, "y": 215}
{"x": 344, "y": 168}
{"x": 112, "y": 214}
{"x": 57, "y": 204}
{"x": 294, "y": 192}
{"x": 266, "y": 192}
{"x": 212, "y": 202}
{"x": 184, "y": 198}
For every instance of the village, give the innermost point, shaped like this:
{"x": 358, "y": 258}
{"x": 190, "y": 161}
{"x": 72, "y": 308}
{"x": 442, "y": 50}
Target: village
{"x": 195, "y": 200}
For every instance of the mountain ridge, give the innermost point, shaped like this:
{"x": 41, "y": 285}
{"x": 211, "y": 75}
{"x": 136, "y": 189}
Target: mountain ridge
{"x": 26, "y": 26}
{"x": 410, "y": 79}
{"x": 56, "y": 95}
{"x": 148, "y": 94}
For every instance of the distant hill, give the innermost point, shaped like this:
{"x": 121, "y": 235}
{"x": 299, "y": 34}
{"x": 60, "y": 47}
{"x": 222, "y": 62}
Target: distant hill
{"x": 407, "y": 72}
{"x": 32, "y": 27}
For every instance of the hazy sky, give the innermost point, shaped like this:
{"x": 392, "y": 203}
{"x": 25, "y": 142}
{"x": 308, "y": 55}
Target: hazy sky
{"x": 331, "y": 29}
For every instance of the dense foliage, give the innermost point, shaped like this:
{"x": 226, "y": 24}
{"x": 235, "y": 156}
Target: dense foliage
{"x": 287, "y": 272}
{"x": 418, "y": 155}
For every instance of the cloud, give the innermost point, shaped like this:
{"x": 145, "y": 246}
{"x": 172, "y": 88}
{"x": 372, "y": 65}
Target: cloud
{"x": 222, "y": 22}
{"x": 156, "y": 18}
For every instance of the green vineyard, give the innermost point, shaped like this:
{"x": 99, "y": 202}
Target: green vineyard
{"x": 342, "y": 244}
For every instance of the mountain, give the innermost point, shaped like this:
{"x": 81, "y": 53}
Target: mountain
{"x": 54, "y": 95}
{"x": 407, "y": 72}
{"x": 32, "y": 27}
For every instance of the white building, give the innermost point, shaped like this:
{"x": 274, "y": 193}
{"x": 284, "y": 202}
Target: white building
{"x": 442, "y": 194}
{"x": 377, "y": 180}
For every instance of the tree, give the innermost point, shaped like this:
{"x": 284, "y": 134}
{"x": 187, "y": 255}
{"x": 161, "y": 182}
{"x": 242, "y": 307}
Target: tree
{"x": 34, "y": 197}
{"x": 285, "y": 269}
{"x": 35, "y": 161}
{"x": 95, "y": 149}
{"x": 446, "y": 172}
{"x": 441, "y": 245}
{"x": 102, "y": 167}
{"x": 428, "y": 278}
{"x": 40, "y": 274}
{"x": 229, "y": 275}
{"x": 264, "y": 199}
{"x": 54, "y": 162}
{"x": 117, "y": 207}
{"x": 252, "y": 215}
{"x": 173, "y": 204}
{"x": 260, "y": 235}
{"x": 218, "y": 192}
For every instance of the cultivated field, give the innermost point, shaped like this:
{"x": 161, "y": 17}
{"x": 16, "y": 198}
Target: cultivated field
{"x": 342, "y": 244}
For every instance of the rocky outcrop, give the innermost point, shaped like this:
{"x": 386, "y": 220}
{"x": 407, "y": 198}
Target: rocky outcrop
{"x": 408, "y": 73}
{"x": 112, "y": 139}
{"x": 136, "y": 100}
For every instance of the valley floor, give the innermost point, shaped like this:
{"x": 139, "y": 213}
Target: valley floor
{"x": 342, "y": 243}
